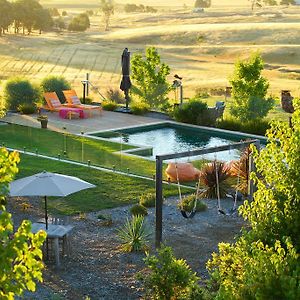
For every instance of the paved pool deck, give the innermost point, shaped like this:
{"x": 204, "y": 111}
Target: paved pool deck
{"x": 106, "y": 121}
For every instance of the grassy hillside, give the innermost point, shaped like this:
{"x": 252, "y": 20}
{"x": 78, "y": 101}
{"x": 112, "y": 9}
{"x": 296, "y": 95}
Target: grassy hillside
{"x": 200, "y": 47}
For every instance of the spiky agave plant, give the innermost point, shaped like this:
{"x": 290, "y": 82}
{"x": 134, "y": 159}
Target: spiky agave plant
{"x": 240, "y": 169}
{"x": 208, "y": 177}
{"x": 134, "y": 235}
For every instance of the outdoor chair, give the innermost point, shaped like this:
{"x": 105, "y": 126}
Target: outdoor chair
{"x": 74, "y": 100}
{"x": 66, "y": 240}
{"x": 53, "y": 102}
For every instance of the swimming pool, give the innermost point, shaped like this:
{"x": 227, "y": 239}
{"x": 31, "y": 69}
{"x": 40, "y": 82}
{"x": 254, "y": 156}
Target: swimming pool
{"x": 169, "y": 137}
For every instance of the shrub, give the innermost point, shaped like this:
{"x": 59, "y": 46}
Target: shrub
{"x": 79, "y": 23}
{"x": 194, "y": 112}
{"x": 20, "y": 91}
{"x": 64, "y": 13}
{"x": 139, "y": 108}
{"x": 115, "y": 95}
{"x": 86, "y": 100}
{"x": 187, "y": 204}
{"x": 264, "y": 262}
{"x": 169, "y": 277}
{"x": 27, "y": 108}
{"x": 109, "y": 105}
{"x": 138, "y": 209}
{"x": 134, "y": 235}
{"x": 147, "y": 200}
{"x": 55, "y": 84}
{"x": 259, "y": 127}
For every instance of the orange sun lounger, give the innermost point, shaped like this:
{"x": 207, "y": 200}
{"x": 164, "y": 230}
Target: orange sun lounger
{"x": 53, "y": 103}
{"x": 74, "y": 101}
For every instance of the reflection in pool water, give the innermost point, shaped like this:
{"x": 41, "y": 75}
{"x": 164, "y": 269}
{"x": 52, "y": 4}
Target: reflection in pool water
{"x": 172, "y": 140}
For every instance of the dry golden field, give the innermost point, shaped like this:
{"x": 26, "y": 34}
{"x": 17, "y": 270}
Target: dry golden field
{"x": 200, "y": 47}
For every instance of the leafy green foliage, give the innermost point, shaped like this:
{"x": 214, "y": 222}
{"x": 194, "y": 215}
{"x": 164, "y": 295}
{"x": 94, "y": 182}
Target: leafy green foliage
{"x": 193, "y": 112}
{"x": 208, "y": 177}
{"x": 259, "y": 126}
{"x": 148, "y": 200}
{"x": 109, "y": 105}
{"x": 138, "y": 210}
{"x": 249, "y": 89}
{"x": 27, "y": 108}
{"x": 55, "y": 84}
{"x": 139, "y": 108}
{"x": 170, "y": 278}
{"x": 254, "y": 270}
{"x": 187, "y": 204}
{"x": 134, "y": 235}
{"x": 265, "y": 263}
{"x": 79, "y": 23}
{"x": 20, "y": 253}
{"x": 149, "y": 75}
{"x": 20, "y": 91}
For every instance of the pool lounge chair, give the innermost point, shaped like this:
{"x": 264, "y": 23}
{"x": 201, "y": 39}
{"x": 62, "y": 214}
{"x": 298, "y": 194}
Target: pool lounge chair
{"x": 53, "y": 102}
{"x": 73, "y": 100}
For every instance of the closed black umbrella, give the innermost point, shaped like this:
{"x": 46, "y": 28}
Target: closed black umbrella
{"x": 125, "y": 83}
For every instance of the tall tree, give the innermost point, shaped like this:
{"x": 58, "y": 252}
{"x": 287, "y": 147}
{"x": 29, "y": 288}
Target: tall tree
{"x": 249, "y": 90}
{"x": 150, "y": 78}
{"x": 43, "y": 20}
{"x": 6, "y": 15}
{"x": 107, "y": 9}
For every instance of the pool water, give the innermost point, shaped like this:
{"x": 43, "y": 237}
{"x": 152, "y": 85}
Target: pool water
{"x": 167, "y": 140}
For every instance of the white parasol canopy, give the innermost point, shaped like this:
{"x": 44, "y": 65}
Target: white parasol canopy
{"x": 48, "y": 184}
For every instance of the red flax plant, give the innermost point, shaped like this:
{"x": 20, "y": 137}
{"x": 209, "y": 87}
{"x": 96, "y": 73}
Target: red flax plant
{"x": 208, "y": 177}
{"x": 240, "y": 169}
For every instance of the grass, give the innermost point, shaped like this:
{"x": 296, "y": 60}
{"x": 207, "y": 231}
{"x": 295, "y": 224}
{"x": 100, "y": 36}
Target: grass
{"x": 112, "y": 190}
{"x": 100, "y": 153}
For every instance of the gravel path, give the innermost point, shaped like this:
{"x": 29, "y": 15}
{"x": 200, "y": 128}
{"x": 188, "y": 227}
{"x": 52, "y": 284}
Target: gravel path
{"x": 98, "y": 269}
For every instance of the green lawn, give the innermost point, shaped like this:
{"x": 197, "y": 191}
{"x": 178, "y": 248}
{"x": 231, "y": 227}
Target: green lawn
{"x": 100, "y": 153}
{"x": 112, "y": 189}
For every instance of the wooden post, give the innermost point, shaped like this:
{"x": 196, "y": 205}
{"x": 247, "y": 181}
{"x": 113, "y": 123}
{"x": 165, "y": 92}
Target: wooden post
{"x": 158, "y": 202}
{"x": 87, "y": 84}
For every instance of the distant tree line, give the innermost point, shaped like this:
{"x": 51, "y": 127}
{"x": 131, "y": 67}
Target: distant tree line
{"x": 24, "y": 15}
{"x": 27, "y": 15}
{"x": 202, "y": 3}
{"x": 261, "y": 3}
{"x": 139, "y": 8}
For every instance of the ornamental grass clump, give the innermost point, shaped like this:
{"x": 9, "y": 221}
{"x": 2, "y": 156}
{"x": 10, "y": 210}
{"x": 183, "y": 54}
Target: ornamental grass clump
{"x": 214, "y": 176}
{"x": 138, "y": 209}
{"x": 134, "y": 235}
{"x": 148, "y": 200}
{"x": 188, "y": 202}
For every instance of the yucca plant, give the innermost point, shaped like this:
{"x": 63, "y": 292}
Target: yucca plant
{"x": 134, "y": 235}
{"x": 208, "y": 177}
{"x": 240, "y": 169}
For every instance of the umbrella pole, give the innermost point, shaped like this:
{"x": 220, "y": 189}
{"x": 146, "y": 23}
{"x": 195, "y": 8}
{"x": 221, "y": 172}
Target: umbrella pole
{"x": 46, "y": 213}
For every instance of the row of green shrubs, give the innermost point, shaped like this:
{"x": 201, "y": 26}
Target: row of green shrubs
{"x": 22, "y": 95}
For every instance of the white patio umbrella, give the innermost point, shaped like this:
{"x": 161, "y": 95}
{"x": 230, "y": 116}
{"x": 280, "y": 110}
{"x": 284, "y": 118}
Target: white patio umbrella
{"x": 48, "y": 184}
